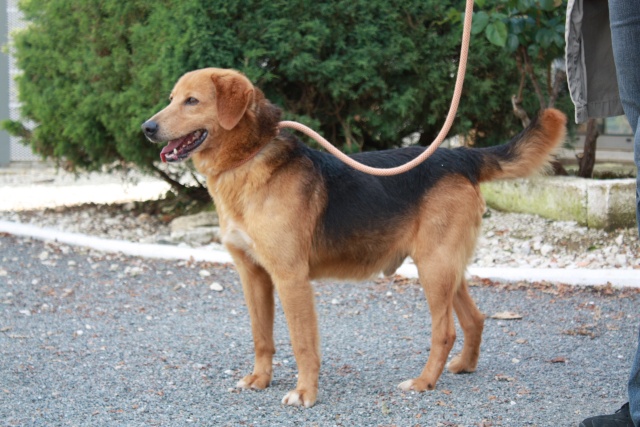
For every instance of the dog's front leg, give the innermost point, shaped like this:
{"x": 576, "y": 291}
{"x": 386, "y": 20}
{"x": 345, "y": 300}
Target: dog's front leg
{"x": 258, "y": 293}
{"x": 296, "y": 295}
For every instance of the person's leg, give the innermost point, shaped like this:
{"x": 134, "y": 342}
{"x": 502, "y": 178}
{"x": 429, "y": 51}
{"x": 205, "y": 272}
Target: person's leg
{"x": 634, "y": 387}
{"x": 625, "y": 36}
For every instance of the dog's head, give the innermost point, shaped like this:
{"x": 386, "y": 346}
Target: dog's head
{"x": 203, "y": 104}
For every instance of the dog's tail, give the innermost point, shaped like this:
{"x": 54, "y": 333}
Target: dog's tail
{"x": 528, "y": 152}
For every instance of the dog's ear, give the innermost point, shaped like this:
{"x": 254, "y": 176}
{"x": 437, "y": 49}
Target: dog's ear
{"x": 234, "y": 93}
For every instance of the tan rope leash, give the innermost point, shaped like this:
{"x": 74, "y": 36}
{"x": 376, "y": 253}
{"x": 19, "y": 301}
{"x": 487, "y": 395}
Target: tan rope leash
{"x": 457, "y": 93}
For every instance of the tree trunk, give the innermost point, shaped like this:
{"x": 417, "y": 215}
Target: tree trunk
{"x": 587, "y": 159}
{"x": 520, "y": 112}
{"x": 199, "y": 193}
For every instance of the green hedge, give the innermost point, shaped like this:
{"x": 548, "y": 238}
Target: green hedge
{"x": 365, "y": 73}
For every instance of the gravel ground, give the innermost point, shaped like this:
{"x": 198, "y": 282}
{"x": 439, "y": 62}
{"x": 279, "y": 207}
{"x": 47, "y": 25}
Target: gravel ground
{"x": 92, "y": 339}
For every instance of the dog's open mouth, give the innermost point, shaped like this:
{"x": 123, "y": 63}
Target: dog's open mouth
{"x": 180, "y": 149}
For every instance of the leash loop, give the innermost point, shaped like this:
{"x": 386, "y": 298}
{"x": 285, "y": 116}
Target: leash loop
{"x": 455, "y": 101}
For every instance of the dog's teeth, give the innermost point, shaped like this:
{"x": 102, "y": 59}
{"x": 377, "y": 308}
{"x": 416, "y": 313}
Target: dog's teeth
{"x": 175, "y": 151}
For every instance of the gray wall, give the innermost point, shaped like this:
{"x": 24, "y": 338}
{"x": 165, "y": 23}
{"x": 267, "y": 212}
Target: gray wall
{"x": 5, "y": 149}
{"x": 8, "y": 88}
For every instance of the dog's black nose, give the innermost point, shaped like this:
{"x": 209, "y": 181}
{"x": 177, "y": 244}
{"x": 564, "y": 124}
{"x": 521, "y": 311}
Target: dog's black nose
{"x": 150, "y": 128}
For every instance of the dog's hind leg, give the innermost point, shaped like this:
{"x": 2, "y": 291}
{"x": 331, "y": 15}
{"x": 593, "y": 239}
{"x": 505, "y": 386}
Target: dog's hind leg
{"x": 258, "y": 293}
{"x": 472, "y": 322}
{"x": 438, "y": 280}
{"x": 443, "y": 245}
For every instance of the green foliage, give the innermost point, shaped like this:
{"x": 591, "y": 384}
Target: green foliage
{"x": 537, "y": 25}
{"x": 15, "y": 128}
{"x": 365, "y": 73}
{"x": 530, "y": 30}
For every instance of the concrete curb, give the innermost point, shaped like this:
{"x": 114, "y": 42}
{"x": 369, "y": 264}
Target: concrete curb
{"x": 576, "y": 277}
{"x": 606, "y": 203}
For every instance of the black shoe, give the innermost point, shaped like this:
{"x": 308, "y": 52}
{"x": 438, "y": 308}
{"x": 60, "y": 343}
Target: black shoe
{"x": 620, "y": 419}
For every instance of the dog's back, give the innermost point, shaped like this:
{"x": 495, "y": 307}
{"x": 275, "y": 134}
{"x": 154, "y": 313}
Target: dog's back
{"x": 356, "y": 199}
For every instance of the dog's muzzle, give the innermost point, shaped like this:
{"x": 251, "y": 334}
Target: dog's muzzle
{"x": 150, "y": 129}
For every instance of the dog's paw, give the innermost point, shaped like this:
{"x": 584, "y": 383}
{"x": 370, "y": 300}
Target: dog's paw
{"x": 458, "y": 365}
{"x": 306, "y": 398}
{"x": 416, "y": 385}
{"x": 254, "y": 382}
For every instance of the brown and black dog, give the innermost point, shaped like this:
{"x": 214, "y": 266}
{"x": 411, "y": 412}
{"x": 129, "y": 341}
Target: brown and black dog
{"x": 290, "y": 214}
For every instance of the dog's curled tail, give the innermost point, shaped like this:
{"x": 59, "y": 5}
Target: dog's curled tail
{"x": 528, "y": 152}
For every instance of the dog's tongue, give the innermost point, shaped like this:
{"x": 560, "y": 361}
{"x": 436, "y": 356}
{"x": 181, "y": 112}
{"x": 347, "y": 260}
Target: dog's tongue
{"x": 172, "y": 145}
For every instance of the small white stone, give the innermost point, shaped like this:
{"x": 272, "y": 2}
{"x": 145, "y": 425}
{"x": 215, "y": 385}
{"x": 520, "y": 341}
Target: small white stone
{"x": 133, "y": 271}
{"x": 546, "y": 249}
{"x": 204, "y": 273}
{"x": 217, "y": 287}
{"x": 525, "y": 248}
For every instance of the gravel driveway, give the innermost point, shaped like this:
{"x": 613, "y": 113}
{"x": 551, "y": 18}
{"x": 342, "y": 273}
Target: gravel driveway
{"x": 88, "y": 339}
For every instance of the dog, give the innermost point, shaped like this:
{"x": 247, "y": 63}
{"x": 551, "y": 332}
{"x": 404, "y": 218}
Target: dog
{"x": 290, "y": 214}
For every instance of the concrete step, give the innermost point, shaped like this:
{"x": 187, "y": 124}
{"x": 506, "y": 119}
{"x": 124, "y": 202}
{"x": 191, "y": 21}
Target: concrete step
{"x": 607, "y": 203}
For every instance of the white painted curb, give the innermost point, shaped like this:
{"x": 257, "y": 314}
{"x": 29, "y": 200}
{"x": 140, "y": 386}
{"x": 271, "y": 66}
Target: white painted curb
{"x": 117, "y": 246}
{"x": 578, "y": 277}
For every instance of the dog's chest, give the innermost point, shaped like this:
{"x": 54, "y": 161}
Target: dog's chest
{"x": 235, "y": 203}
{"x": 235, "y": 235}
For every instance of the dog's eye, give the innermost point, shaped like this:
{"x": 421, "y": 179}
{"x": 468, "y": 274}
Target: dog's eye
{"x": 191, "y": 101}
